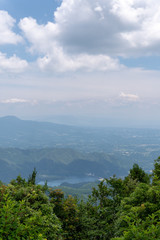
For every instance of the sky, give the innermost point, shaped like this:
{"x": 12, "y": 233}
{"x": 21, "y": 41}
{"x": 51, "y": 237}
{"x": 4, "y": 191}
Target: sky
{"x": 81, "y": 61}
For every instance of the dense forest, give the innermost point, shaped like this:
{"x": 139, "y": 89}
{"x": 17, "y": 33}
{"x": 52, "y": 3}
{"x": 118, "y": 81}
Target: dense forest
{"x": 119, "y": 209}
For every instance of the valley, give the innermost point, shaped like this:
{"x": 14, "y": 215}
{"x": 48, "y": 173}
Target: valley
{"x": 61, "y": 151}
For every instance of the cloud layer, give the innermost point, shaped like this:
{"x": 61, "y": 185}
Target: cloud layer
{"x": 73, "y": 63}
{"x": 88, "y": 35}
{"x": 92, "y": 35}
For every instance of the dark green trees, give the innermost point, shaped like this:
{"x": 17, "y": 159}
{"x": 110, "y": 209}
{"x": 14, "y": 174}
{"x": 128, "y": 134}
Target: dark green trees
{"x": 67, "y": 210}
{"x": 139, "y": 214}
{"x": 118, "y": 209}
{"x": 156, "y": 170}
{"x": 26, "y": 213}
{"x": 32, "y": 177}
{"x": 137, "y": 173}
{"x": 100, "y": 216}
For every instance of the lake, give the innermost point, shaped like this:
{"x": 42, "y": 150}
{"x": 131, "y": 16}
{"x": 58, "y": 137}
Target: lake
{"x": 72, "y": 180}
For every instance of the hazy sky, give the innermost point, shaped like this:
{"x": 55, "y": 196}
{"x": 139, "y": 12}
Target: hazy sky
{"x": 81, "y": 58}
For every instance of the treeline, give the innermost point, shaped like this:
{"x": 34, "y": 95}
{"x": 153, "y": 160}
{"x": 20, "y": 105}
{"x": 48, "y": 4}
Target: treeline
{"x": 118, "y": 209}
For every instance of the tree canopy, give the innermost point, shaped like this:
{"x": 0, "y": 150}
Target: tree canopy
{"x": 117, "y": 209}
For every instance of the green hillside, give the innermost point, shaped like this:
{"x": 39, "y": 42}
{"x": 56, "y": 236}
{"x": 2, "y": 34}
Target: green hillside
{"x": 53, "y": 163}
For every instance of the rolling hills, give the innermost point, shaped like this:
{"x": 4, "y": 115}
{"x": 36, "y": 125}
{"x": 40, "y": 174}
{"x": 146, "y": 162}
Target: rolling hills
{"x": 53, "y": 163}
{"x": 60, "y": 151}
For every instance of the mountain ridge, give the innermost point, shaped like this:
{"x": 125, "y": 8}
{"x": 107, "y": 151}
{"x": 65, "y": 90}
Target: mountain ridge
{"x": 55, "y": 163}
{"x": 24, "y": 143}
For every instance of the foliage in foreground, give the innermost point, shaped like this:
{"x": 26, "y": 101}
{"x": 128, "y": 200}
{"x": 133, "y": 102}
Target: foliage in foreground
{"x": 26, "y": 212}
{"x": 118, "y": 209}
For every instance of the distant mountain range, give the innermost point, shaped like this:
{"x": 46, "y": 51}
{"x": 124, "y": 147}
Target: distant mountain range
{"x": 24, "y": 134}
{"x": 59, "y": 150}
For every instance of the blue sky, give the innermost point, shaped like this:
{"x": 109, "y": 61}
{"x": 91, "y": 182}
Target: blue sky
{"x": 38, "y": 9}
{"x": 81, "y": 59}
{"x": 42, "y": 11}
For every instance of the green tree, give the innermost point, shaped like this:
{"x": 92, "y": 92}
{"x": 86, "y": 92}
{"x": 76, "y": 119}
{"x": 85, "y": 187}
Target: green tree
{"x": 26, "y": 213}
{"x": 156, "y": 170}
{"x": 99, "y": 215}
{"x": 32, "y": 177}
{"x": 100, "y": 211}
{"x": 66, "y": 209}
{"x": 137, "y": 173}
{"x": 139, "y": 214}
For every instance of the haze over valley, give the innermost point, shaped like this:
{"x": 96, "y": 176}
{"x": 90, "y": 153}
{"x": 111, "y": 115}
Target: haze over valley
{"x": 61, "y": 151}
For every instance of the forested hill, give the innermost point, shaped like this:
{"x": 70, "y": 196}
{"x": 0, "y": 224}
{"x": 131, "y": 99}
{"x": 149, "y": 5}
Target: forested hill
{"x": 55, "y": 163}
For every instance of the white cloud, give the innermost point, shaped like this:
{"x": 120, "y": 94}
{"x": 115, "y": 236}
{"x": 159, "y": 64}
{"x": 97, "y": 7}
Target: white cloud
{"x": 98, "y": 9}
{"x": 144, "y": 39}
{"x": 43, "y": 39}
{"x": 60, "y": 62}
{"x": 14, "y": 100}
{"x": 86, "y": 34}
{"x": 18, "y": 100}
{"x": 132, "y": 11}
{"x": 129, "y": 27}
{"x": 129, "y": 96}
{"x": 6, "y": 33}
{"x": 88, "y": 27}
{"x": 12, "y": 64}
